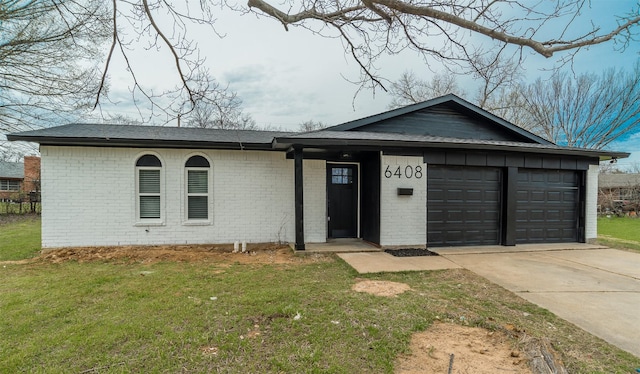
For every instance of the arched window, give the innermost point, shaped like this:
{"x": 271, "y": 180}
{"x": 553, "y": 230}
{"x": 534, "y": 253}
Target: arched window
{"x": 198, "y": 190}
{"x": 149, "y": 187}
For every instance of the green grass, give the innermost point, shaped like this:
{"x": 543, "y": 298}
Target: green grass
{"x": 17, "y": 208}
{"x": 73, "y": 317}
{"x": 19, "y": 237}
{"x": 114, "y": 317}
{"x": 619, "y": 232}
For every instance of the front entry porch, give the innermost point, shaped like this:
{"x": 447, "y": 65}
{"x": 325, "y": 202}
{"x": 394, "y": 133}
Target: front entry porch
{"x": 352, "y": 198}
{"x": 346, "y": 245}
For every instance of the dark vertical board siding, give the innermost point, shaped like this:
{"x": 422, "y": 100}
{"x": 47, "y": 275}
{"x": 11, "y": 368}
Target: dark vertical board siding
{"x": 370, "y": 197}
{"x": 551, "y": 163}
{"x": 454, "y": 158}
{"x": 445, "y": 120}
{"x": 476, "y": 159}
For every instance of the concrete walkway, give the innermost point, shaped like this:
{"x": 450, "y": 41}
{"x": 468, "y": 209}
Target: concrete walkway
{"x": 380, "y": 262}
{"x": 595, "y": 288}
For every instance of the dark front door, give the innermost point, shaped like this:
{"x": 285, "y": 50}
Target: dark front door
{"x": 342, "y": 200}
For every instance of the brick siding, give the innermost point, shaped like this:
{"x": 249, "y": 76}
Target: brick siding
{"x": 591, "y": 204}
{"x": 31, "y": 174}
{"x": 89, "y": 198}
{"x": 403, "y": 220}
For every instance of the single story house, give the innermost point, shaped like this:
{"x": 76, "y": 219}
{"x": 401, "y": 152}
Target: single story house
{"x": 18, "y": 179}
{"x": 439, "y": 173}
{"x": 11, "y": 176}
{"x": 619, "y": 193}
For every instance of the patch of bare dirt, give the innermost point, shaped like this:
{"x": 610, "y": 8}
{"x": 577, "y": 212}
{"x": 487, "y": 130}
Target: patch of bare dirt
{"x": 6, "y": 219}
{"x": 380, "y": 288}
{"x": 255, "y": 254}
{"x": 468, "y": 349}
{"x": 474, "y": 349}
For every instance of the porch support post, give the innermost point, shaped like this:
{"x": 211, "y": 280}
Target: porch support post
{"x": 299, "y": 201}
{"x": 509, "y": 199}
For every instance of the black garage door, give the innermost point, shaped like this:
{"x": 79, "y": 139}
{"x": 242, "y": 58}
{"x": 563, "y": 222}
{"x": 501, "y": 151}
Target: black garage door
{"x": 547, "y": 206}
{"x": 463, "y": 205}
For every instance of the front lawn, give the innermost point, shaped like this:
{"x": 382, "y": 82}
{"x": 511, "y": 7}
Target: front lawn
{"x": 129, "y": 315}
{"x": 619, "y": 232}
{"x": 19, "y": 236}
{"x": 195, "y": 317}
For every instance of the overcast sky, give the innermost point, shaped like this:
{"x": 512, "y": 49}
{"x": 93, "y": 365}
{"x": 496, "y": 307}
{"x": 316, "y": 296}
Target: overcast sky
{"x": 285, "y": 78}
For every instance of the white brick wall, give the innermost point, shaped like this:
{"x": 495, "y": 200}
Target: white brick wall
{"x": 89, "y": 198}
{"x": 403, "y": 219}
{"x": 315, "y": 201}
{"x": 591, "y": 204}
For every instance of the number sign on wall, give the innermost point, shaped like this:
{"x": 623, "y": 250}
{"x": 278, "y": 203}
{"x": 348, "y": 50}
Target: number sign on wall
{"x": 400, "y": 172}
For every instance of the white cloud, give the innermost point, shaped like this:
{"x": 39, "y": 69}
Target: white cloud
{"x": 285, "y": 78}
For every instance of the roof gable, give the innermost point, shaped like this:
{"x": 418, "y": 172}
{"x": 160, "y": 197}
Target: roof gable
{"x": 447, "y": 116}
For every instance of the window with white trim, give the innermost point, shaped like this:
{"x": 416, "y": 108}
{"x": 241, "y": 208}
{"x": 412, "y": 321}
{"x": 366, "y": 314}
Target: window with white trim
{"x": 198, "y": 191}
{"x": 9, "y": 185}
{"x": 149, "y": 188}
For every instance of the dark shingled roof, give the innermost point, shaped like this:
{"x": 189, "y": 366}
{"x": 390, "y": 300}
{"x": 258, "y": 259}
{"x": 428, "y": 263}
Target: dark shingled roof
{"x": 360, "y": 138}
{"x": 187, "y": 137}
{"x": 152, "y": 136}
{"x": 11, "y": 170}
{"x": 618, "y": 180}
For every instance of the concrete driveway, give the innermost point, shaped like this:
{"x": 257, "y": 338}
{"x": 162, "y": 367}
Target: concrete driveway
{"x": 597, "y": 289}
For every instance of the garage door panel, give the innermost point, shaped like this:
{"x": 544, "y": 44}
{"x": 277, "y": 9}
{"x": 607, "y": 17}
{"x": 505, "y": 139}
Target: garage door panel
{"x": 463, "y": 205}
{"x": 555, "y": 196}
{"x": 570, "y": 196}
{"x": 492, "y": 195}
{"x": 547, "y": 206}
{"x": 555, "y": 216}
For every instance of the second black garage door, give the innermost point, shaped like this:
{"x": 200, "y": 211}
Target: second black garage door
{"x": 547, "y": 206}
{"x": 463, "y": 205}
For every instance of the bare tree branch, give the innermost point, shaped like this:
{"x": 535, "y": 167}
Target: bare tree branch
{"x": 587, "y": 111}
{"x": 442, "y": 29}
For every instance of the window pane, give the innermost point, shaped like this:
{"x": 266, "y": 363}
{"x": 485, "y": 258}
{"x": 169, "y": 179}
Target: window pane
{"x": 149, "y": 181}
{"x": 9, "y": 185}
{"x": 198, "y": 207}
{"x": 197, "y": 162}
{"x": 198, "y": 181}
{"x": 148, "y": 160}
{"x": 341, "y": 175}
{"x": 149, "y": 206}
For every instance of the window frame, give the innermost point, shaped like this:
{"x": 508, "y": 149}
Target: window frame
{"x": 8, "y": 183}
{"x": 208, "y": 194}
{"x": 140, "y": 221}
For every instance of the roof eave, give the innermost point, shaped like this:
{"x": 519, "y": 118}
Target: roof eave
{"x": 137, "y": 143}
{"x": 285, "y": 143}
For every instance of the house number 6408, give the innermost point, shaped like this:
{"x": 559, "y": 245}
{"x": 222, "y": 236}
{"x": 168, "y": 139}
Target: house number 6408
{"x": 408, "y": 172}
